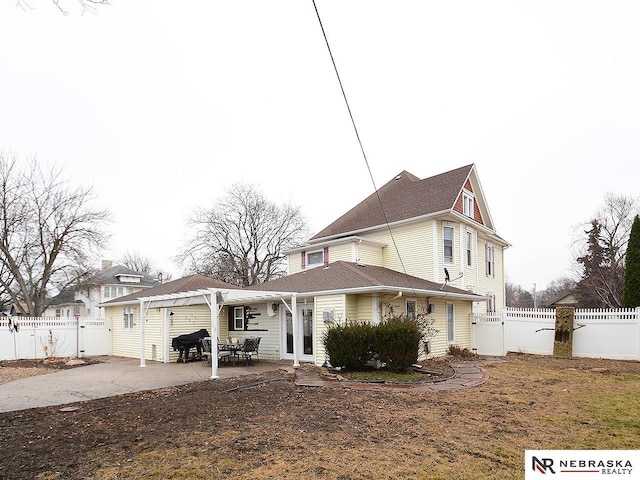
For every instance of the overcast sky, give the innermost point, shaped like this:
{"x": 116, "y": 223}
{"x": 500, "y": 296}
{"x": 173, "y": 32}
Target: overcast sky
{"x": 161, "y": 105}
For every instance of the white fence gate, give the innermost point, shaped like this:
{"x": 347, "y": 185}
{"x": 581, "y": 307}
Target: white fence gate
{"x": 43, "y": 337}
{"x": 606, "y": 333}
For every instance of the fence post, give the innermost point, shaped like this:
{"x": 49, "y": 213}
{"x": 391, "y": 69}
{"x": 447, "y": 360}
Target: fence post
{"x": 474, "y": 347}
{"x": 637, "y": 333}
{"x": 504, "y": 330}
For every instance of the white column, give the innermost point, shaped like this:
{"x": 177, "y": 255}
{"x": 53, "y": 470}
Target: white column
{"x": 142, "y": 315}
{"x": 294, "y": 321}
{"x": 214, "y": 333}
{"x": 166, "y": 328}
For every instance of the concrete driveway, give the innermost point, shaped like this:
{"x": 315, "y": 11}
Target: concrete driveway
{"x": 113, "y": 376}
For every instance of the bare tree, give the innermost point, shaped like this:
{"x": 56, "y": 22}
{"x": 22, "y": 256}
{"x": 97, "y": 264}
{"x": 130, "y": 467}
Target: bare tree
{"x": 90, "y": 6}
{"x": 47, "y": 233}
{"x": 602, "y": 257}
{"x": 241, "y": 240}
{"x": 140, "y": 263}
{"x": 518, "y": 297}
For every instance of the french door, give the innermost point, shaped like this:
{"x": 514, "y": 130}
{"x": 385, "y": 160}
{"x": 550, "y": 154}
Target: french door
{"x": 305, "y": 334}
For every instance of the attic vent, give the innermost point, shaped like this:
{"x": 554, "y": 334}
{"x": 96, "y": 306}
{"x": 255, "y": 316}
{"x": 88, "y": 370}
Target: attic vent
{"x": 398, "y": 177}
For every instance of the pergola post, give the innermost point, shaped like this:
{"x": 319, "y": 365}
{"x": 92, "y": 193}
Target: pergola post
{"x": 214, "y": 332}
{"x": 294, "y": 320}
{"x": 143, "y": 314}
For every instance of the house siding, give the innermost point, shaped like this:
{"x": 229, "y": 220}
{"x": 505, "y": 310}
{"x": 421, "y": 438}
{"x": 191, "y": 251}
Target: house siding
{"x": 127, "y": 343}
{"x": 339, "y": 304}
{"x": 414, "y": 242}
{"x": 341, "y": 252}
{"x": 368, "y": 254}
{"x": 488, "y": 284}
{"x": 265, "y": 326}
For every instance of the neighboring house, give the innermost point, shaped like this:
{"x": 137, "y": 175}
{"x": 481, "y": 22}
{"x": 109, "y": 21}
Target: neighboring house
{"x": 111, "y": 282}
{"x": 566, "y": 300}
{"x": 66, "y": 305}
{"x": 361, "y": 266}
{"x": 186, "y": 312}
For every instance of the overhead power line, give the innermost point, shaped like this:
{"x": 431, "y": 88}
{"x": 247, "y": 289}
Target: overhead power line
{"x": 364, "y": 155}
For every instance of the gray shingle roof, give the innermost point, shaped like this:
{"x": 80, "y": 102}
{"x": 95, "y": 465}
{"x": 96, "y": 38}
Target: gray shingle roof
{"x": 348, "y": 276}
{"x": 184, "y": 284}
{"x": 404, "y": 197}
{"x": 110, "y": 277}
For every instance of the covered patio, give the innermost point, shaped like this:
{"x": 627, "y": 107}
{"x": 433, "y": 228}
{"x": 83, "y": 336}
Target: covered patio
{"x": 216, "y": 299}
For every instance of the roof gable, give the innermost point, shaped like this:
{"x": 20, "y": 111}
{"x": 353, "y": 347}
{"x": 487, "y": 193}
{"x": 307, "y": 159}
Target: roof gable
{"x": 403, "y": 198}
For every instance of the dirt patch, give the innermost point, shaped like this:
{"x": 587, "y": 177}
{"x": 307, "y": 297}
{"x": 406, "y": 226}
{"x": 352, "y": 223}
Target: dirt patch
{"x": 264, "y": 426}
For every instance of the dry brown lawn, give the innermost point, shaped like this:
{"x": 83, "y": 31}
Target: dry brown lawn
{"x": 275, "y": 429}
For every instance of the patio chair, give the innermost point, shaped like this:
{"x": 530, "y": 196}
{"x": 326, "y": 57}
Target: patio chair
{"x": 249, "y": 349}
{"x": 206, "y": 351}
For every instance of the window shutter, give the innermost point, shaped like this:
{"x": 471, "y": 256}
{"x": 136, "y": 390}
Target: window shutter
{"x": 230, "y": 319}
{"x": 326, "y": 256}
{"x": 486, "y": 260}
{"x": 303, "y": 259}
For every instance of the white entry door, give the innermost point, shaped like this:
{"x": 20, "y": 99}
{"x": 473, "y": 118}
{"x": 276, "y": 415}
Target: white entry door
{"x": 306, "y": 342}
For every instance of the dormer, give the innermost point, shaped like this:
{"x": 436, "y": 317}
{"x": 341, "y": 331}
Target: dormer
{"x": 349, "y": 249}
{"x": 128, "y": 278}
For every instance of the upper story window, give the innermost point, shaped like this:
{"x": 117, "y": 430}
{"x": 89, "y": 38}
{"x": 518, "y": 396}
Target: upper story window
{"x": 447, "y": 233}
{"x": 467, "y": 204}
{"x": 315, "y": 258}
{"x": 469, "y": 248}
{"x": 490, "y": 261}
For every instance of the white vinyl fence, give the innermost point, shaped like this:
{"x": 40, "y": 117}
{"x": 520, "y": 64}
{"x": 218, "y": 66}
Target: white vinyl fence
{"x": 611, "y": 334}
{"x": 53, "y": 337}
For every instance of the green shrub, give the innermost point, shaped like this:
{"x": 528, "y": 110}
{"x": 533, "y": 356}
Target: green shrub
{"x": 349, "y": 346}
{"x": 397, "y": 340}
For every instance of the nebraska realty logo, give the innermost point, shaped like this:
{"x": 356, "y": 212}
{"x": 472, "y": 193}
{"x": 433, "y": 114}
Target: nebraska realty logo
{"x": 558, "y": 464}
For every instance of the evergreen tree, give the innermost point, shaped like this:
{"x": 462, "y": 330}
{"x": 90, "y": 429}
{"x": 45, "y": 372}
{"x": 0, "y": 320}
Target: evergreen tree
{"x": 601, "y": 282}
{"x": 631, "y": 291}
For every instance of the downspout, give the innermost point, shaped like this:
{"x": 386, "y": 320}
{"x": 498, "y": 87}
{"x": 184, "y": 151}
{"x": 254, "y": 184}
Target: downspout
{"x": 398, "y": 295}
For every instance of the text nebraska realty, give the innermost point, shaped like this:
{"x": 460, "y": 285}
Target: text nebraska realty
{"x": 605, "y": 467}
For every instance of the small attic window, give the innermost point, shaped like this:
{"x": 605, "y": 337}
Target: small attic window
{"x": 467, "y": 204}
{"x": 129, "y": 278}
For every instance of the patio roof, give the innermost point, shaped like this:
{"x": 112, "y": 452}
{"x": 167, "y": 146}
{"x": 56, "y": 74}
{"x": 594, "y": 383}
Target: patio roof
{"x": 224, "y": 296}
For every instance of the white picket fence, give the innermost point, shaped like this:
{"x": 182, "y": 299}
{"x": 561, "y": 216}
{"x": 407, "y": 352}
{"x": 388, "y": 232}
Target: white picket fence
{"x": 43, "y": 337}
{"x": 613, "y": 334}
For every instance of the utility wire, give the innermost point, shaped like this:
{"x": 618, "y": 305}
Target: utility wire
{"x": 364, "y": 155}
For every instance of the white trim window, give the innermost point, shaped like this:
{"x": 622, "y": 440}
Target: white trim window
{"x": 451, "y": 323}
{"x": 238, "y": 318}
{"x": 468, "y": 204}
{"x": 469, "y": 249}
{"x": 127, "y": 319}
{"x": 447, "y": 237}
{"x": 410, "y": 309}
{"x": 490, "y": 261}
{"x": 491, "y": 302}
{"x": 315, "y": 258}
